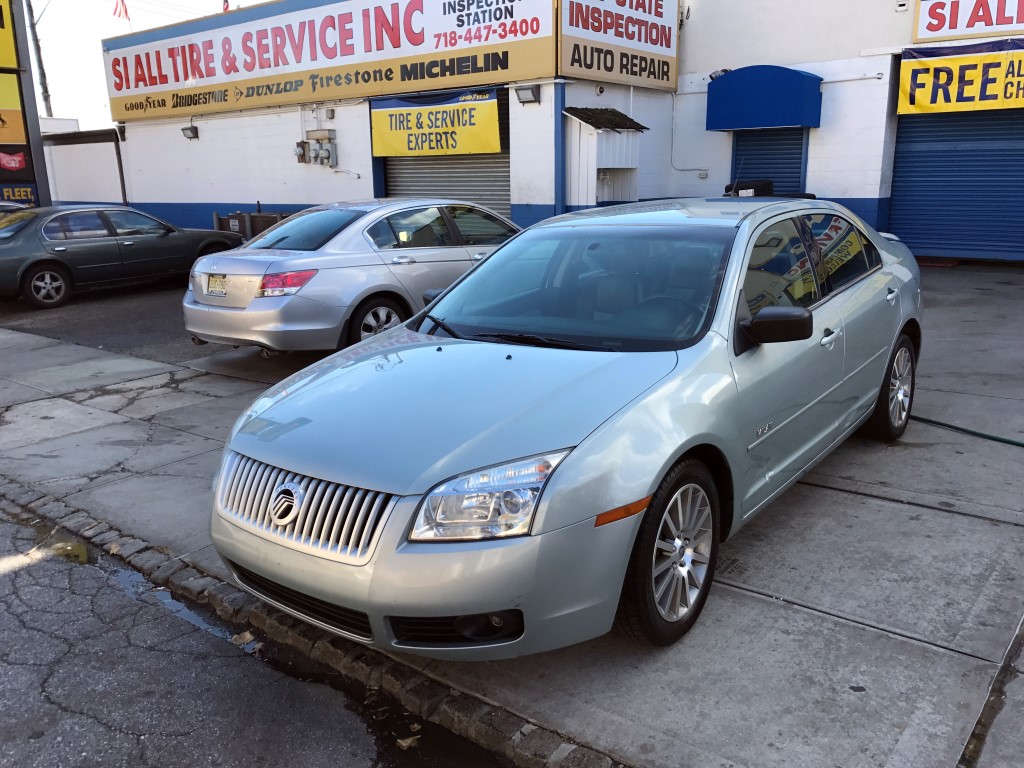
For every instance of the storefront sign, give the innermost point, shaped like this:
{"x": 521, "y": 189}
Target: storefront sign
{"x": 958, "y": 19}
{"x": 290, "y": 53}
{"x": 25, "y": 194}
{"x": 634, "y": 42}
{"x": 459, "y": 124}
{"x": 962, "y": 79}
{"x": 8, "y": 51}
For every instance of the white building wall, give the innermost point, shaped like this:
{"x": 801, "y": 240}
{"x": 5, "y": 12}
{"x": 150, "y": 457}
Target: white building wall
{"x": 241, "y": 158}
{"x": 729, "y": 34}
{"x": 532, "y": 155}
{"x": 83, "y": 173}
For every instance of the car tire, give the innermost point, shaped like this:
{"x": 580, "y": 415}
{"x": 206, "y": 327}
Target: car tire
{"x": 680, "y": 529}
{"x": 46, "y": 286}
{"x": 889, "y": 420}
{"x": 375, "y": 315}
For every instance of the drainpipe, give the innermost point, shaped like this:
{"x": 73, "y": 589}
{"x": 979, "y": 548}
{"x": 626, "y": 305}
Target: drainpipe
{"x": 559, "y": 147}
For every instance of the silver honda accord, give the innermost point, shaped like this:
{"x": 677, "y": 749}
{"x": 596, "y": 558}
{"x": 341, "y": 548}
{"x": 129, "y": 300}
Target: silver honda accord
{"x": 561, "y": 441}
{"x": 337, "y": 274}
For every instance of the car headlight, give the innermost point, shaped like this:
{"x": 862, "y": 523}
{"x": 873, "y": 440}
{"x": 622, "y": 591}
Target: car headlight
{"x": 491, "y": 503}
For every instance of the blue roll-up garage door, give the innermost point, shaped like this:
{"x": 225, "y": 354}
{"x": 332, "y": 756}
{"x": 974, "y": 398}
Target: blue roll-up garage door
{"x": 958, "y": 183}
{"x": 771, "y": 153}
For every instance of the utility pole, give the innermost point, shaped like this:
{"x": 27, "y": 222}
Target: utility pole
{"x": 43, "y": 86}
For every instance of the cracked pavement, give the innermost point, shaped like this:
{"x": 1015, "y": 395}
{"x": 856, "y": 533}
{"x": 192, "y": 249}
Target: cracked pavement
{"x": 96, "y": 676}
{"x": 97, "y": 671}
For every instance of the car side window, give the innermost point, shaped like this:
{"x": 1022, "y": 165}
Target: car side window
{"x": 479, "y": 227}
{"x": 779, "y": 273}
{"x": 132, "y": 223}
{"x": 420, "y": 228}
{"x": 83, "y": 225}
{"x": 844, "y": 255}
{"x": 382, "y": 236}
{"x": 53, "y": 230}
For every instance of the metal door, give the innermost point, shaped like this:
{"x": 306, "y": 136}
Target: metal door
{"x": 779, "y": 154}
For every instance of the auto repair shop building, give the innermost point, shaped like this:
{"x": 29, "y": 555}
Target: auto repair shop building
{"x": 911, "y": 112}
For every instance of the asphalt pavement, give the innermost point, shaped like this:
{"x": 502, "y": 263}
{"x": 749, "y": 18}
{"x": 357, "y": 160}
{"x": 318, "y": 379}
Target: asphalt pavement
{"x": 871, "y": 617}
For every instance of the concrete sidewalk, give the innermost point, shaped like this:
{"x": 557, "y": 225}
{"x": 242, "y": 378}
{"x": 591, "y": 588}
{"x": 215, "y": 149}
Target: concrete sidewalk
{"x": 859, "y": 622}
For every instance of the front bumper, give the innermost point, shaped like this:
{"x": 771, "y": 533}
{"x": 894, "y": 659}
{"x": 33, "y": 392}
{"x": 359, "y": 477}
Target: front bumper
{"x": 285, "y": 323}
{"x": 566, "y": 583}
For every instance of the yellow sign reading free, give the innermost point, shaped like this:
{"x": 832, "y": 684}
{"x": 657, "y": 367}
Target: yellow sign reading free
{"x": 460, "y": 124}
{"x": 966, "y": 79}
{"x": 8, "y": 51}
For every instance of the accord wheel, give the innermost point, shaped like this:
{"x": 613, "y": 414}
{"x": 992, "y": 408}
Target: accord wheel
{"x": 896, "y": 396}
{"x": 46, "y": 286}
{"x": 373, "y": 316}
{"x": 673, "y": 560}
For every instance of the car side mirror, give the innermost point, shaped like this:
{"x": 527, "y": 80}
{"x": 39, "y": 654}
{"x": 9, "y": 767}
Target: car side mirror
{"x": 433, "y": 293}
{"x": 774, "y": 324}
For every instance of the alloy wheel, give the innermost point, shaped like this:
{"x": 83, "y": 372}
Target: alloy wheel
{"x": 682, "y": 552}
{"x": 901, "y": 383}
{"x": 378, "y": 320}
{"x": 48, "y": 287}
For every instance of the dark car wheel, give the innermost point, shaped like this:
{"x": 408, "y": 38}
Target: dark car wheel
{"x": 673, "y": 559}
{"x": 46, "y": 286}
{"x": 373, "y": 316}
{"x": 896, "y": 395}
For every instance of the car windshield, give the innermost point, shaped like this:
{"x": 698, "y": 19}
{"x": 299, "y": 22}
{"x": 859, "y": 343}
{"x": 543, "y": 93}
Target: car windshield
{"x": 307, "y": 231}
{"x": 631, "y": 289}
{"x": 12, "y": 222}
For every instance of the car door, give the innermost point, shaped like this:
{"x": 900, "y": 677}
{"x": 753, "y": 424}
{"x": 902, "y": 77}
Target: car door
{"x": 83, "y": 241}
{"x": 148, "y": 247}
{"x": 788, "y": 391}
{"x": 866, "y": 295}
{"x": 418, "y": 247}
{"x": 481, "y": 231}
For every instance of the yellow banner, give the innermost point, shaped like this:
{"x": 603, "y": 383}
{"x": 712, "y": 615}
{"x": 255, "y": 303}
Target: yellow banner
{"x": 8, "y": 51}
{"x": 965, "y": 83}
{"x": 464, "y": 124}
{"x": 12, "y": 120}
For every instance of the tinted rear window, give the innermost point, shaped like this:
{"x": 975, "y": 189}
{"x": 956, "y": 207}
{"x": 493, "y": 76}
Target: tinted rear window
{"x": 306, "y": 231}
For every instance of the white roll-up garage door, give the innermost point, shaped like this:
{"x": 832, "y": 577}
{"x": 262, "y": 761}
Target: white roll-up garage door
{"x": 482, "y": 179}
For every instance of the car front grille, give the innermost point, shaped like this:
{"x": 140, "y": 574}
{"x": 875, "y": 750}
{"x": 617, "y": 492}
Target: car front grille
{"x": 345, "y": 620}
{"x": 335, "y": 521}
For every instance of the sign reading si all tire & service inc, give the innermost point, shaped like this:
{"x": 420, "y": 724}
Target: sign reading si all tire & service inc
{"x": 293, "y": 52}
{"x": 632, "y": 42}
{"x": 455, "y": 124}
{"x": 966, "y": 78}
{"x": 959, "y": 19}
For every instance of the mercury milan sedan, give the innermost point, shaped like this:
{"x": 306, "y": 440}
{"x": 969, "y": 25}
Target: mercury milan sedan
{"x": 337, "y": 274}
{"x": 563, "y": 439}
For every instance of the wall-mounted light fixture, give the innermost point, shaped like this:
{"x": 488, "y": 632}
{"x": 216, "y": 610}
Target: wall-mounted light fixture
{"x": 528, "y": 94}
{"x": 190, "y": 132}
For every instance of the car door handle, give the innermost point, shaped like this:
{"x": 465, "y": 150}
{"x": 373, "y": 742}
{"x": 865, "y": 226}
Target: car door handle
{"x": 830, "y": 337}
{"x": 128, "y": 242}
{"x": 891, "y": 295}
{"x": 403, "y": 260}
{"x": 59, "y": 249}
{"x": 477, "y": 256}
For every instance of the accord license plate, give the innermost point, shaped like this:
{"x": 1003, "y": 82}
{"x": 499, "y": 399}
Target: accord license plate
{"x": 217, "y": 285}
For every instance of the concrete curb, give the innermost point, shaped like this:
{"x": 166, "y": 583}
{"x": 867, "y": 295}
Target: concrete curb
{"x": 525, "y": 744}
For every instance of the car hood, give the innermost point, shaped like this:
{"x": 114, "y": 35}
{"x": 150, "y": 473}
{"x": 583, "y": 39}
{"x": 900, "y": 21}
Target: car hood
{"x": 259, "y": 261}
{"x": 404, "y": 411}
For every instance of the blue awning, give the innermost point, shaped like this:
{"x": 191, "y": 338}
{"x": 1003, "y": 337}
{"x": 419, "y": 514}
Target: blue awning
{"x": 764, "y": 96}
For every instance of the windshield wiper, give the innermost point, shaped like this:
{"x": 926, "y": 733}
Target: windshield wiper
{"x": 438, "y": 323}
{"x": 534, "y": 340}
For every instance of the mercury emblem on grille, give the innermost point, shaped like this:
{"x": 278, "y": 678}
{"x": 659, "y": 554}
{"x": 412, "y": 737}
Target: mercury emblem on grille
{"x": 286, "y": 503}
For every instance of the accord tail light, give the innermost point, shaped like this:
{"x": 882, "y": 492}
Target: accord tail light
{"x": 284, "y": 283}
